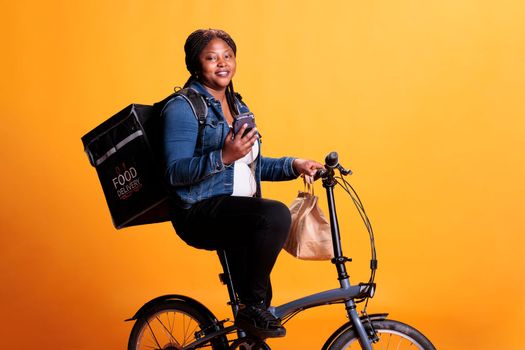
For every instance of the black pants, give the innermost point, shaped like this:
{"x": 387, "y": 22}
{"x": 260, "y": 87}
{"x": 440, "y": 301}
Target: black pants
{"x": 251, "y": 230}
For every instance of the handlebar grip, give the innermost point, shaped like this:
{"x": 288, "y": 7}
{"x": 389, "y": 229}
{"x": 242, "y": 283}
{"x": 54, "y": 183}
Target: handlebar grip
{"x": 319, "y": 174}
{"x": 332, "y": 160}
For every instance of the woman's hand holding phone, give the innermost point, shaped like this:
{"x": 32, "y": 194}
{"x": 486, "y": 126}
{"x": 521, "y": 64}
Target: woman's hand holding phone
{"x": 238, "y": 144}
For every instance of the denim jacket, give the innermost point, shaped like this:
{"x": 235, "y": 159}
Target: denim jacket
{"x": 193, "y": 159}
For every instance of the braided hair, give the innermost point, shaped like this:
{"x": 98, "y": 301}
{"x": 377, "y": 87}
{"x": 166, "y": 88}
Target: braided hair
{"x": 193, "y": 47}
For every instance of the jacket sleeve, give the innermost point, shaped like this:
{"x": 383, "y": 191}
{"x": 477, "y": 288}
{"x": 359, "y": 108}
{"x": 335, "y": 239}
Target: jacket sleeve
{"x": 180, "y": 132}
{"x": 277, "y": 169}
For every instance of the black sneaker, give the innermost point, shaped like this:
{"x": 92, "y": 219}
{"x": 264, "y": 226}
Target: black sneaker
{"x": 259, "y": 322}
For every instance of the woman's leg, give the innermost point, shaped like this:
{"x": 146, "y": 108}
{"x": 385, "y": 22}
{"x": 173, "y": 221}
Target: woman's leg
{"x": 251, "y": 230}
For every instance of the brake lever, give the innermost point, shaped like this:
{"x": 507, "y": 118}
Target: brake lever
{"x": 320, "y": 173}
{"x": 343, "y": 170}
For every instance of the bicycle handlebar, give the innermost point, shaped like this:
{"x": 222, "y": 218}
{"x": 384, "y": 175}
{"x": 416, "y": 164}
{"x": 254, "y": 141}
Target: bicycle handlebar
{"x": 331, "y": 163}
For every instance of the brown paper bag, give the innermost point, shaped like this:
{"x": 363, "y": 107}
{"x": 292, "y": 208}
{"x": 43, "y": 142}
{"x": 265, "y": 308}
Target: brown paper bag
{"x": 310, "y": 237}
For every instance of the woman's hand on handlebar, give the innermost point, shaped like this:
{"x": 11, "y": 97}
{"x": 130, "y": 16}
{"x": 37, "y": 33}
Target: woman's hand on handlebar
{"x": 306, "y": 167}
{"x": 236, "y": 147}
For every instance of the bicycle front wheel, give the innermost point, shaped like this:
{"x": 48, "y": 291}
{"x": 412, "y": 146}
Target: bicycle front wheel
{"x": 171, "y": 325}
{"x": 393, "y": 335}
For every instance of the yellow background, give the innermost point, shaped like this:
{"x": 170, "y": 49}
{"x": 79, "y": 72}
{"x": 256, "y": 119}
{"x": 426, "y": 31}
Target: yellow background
{"x": 422, "y": 99}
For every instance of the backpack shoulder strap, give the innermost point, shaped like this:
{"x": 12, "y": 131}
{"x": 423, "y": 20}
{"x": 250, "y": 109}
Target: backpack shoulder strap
{"x": 197, "y": 103}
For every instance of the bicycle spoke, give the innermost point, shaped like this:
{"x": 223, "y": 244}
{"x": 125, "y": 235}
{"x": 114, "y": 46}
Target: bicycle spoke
{"x": 184, "y": 337}
{"x": 194, "y": 329}
{"x": 153, "y": 334}
{"x": 172, "y": 325}
{"x": 189, "y": 334}
{"x": 389, "y": 339}
{"x": 167, "y": 331}
{"x": 153, "y": 347}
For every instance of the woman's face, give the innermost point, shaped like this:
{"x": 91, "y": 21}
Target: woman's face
{"x": 217, "y": 65}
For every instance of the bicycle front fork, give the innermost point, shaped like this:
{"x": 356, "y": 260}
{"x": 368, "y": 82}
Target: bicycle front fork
{"x": 364, "y": 340}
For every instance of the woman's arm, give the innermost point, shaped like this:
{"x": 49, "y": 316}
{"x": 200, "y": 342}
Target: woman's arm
{"x": 181, "y": 129}
{"x": 287, "y": 168}
{"x": 277, "y": 169}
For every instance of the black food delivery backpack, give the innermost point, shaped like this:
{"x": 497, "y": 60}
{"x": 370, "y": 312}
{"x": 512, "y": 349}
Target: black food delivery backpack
{"x": 126, "y": 151}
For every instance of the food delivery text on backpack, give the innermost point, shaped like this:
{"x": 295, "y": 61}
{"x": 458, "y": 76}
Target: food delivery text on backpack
{"x": 126, "y": 151}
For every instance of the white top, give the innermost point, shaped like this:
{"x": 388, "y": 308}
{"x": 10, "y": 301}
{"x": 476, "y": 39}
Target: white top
{"x": 244, "y": 184}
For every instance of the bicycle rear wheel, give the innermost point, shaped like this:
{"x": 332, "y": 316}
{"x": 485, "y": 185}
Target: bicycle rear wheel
{"x": 393, "y": 335}
{"x": 171, "y": 325}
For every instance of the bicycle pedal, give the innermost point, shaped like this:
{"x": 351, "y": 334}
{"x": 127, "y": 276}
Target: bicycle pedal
{"x": 250, "y": 343}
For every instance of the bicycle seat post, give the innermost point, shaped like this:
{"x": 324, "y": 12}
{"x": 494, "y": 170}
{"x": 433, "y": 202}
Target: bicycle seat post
{"x": 226, "y": 278}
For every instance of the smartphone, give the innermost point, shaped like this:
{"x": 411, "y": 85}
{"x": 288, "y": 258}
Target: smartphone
{"x": 240, "y": 120}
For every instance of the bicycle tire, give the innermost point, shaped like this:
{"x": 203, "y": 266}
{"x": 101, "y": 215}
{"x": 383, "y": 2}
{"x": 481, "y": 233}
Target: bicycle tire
{"x": 171, "y": 325}
{"x": 392, "y": 335}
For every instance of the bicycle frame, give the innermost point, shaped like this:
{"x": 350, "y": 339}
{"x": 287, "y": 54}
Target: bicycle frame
{"x": 208, "y": 331}
{"x": 345, "y": 294}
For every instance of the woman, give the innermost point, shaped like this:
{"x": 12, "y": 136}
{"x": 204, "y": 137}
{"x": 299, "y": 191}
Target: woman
{"x": 216, "y": 174}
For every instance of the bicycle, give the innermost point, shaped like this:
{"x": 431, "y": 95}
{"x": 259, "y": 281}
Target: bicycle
{"x": 178, "y": 322}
